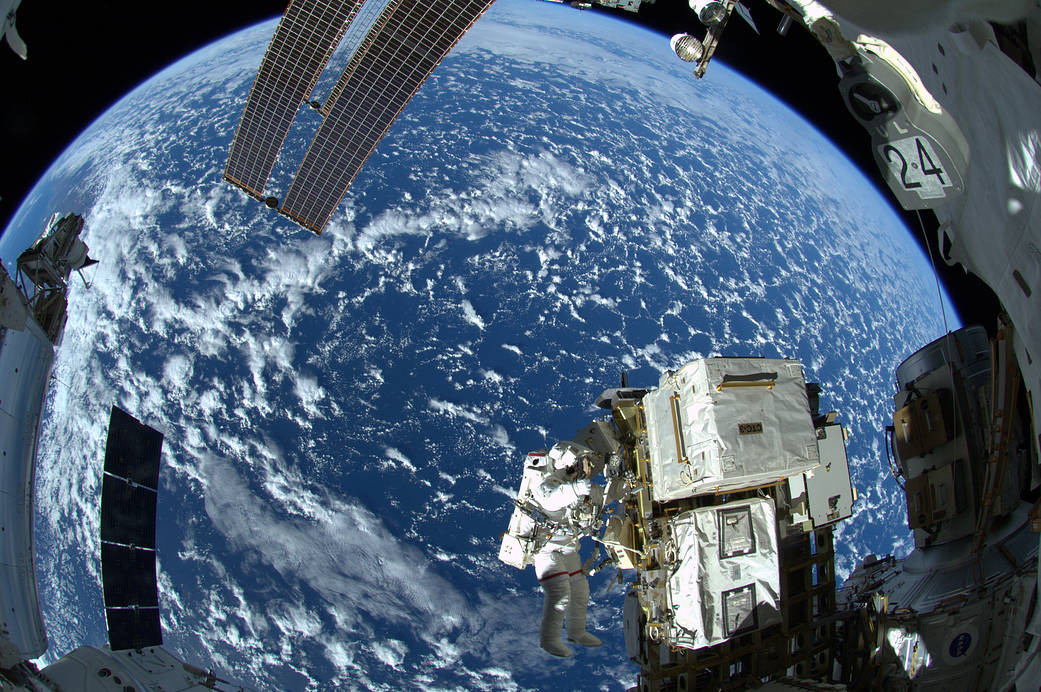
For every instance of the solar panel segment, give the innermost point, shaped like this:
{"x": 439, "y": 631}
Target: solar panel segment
{"x": 406, "y": 43}
{"x": 359, "y": 29}
{"x": 386, "y": 10}
{"x": 303, "y": 43}
{"x": 133, "y": 628}
{"x": 133, "y": 449}
{"x": 127, "y": 513}
{"x": 128, "y": 576}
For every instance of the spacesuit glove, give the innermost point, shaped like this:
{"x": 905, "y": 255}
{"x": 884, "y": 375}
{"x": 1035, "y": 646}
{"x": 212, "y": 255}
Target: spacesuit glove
{"x": 582, "y": 487}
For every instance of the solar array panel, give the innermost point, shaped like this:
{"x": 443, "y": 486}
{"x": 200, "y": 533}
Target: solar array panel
{"x": 301, "y": 48}
{"x": 406, "y": 43}
{"x": 128, "y": 504}
{"x": 128, "y": 576}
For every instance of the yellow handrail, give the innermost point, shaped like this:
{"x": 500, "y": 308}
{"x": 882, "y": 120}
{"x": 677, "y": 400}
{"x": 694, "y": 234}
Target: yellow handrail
{"x": 769, "y": 384}
{"x": 674, "y": 404}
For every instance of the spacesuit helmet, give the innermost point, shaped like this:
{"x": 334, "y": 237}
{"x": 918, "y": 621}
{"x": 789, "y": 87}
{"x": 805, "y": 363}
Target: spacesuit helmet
{"x": 574, "y": 460}
{"x": 565, "y": 455}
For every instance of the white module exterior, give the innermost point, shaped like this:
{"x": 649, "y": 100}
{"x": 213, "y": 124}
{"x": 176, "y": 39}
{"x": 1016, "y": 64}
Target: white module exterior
{"x": 25, "y": 364}
{"x": 726, "y": 578}
{"x": 89, "y": 669}
{"x": 742, "y": 422}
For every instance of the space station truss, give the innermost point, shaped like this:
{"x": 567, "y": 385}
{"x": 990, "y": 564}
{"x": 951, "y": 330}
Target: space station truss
{"x": 730, "y": 537}
{"x": 303, "y": 43}
{"x": 798, "y": 638}
{"x": 44, "y": 270}
{"x": 128, "y": 508}
{"x": 401, "y": 47}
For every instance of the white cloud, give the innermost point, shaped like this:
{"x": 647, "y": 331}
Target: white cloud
{"x": 471, "y": 316}
{"x": 501, "y": 199}
{"x": 384, "y": 577}
{"x": 399, "y": 459}
{"x": 309, "y": 392}
{"x": 457, "y": 410}
{"x": 390, "y": 652}
{"x": 177, "y": 372}
{"x": 491, "y": 376}
{"x": 500, "y": 437}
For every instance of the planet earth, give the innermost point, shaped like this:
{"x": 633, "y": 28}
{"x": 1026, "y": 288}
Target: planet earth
{"x": 345, "y": 415}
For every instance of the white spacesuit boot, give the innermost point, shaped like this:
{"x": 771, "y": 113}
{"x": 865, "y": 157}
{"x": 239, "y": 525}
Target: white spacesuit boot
{"x": 556, "y": 602}
{"x": 576, "y": 611}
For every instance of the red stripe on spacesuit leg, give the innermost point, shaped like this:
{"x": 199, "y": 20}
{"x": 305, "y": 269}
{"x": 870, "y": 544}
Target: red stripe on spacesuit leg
{"x": 555, "y": 574}
{"x": 577, "y": 571}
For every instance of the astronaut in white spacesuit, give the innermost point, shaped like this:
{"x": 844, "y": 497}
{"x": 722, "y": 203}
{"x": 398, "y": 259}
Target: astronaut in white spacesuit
{"x": 570, "y": 499}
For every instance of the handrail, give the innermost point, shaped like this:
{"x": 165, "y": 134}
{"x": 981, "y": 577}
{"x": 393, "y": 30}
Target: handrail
{"x": 1004, "y": 384}
{"x": 759, "y": 379}
{"x": 677, "y": 429}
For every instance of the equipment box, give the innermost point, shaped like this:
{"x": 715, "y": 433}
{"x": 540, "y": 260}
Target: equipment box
{"x": 725, "y": 580}
{"x": 723, "y": 424}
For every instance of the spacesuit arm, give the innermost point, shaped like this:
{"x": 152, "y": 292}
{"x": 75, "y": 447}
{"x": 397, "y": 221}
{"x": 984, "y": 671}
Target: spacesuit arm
{"x": 554, "y": 495}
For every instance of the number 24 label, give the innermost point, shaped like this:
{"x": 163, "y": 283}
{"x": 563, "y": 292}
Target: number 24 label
{"x": 915, "y": 164}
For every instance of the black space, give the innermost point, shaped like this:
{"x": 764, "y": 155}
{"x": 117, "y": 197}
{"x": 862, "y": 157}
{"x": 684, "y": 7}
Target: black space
{"x": 85, "y": 56}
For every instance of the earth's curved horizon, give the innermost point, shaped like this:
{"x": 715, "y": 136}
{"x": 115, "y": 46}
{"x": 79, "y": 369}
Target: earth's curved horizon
{"x": 344, "y": 415}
